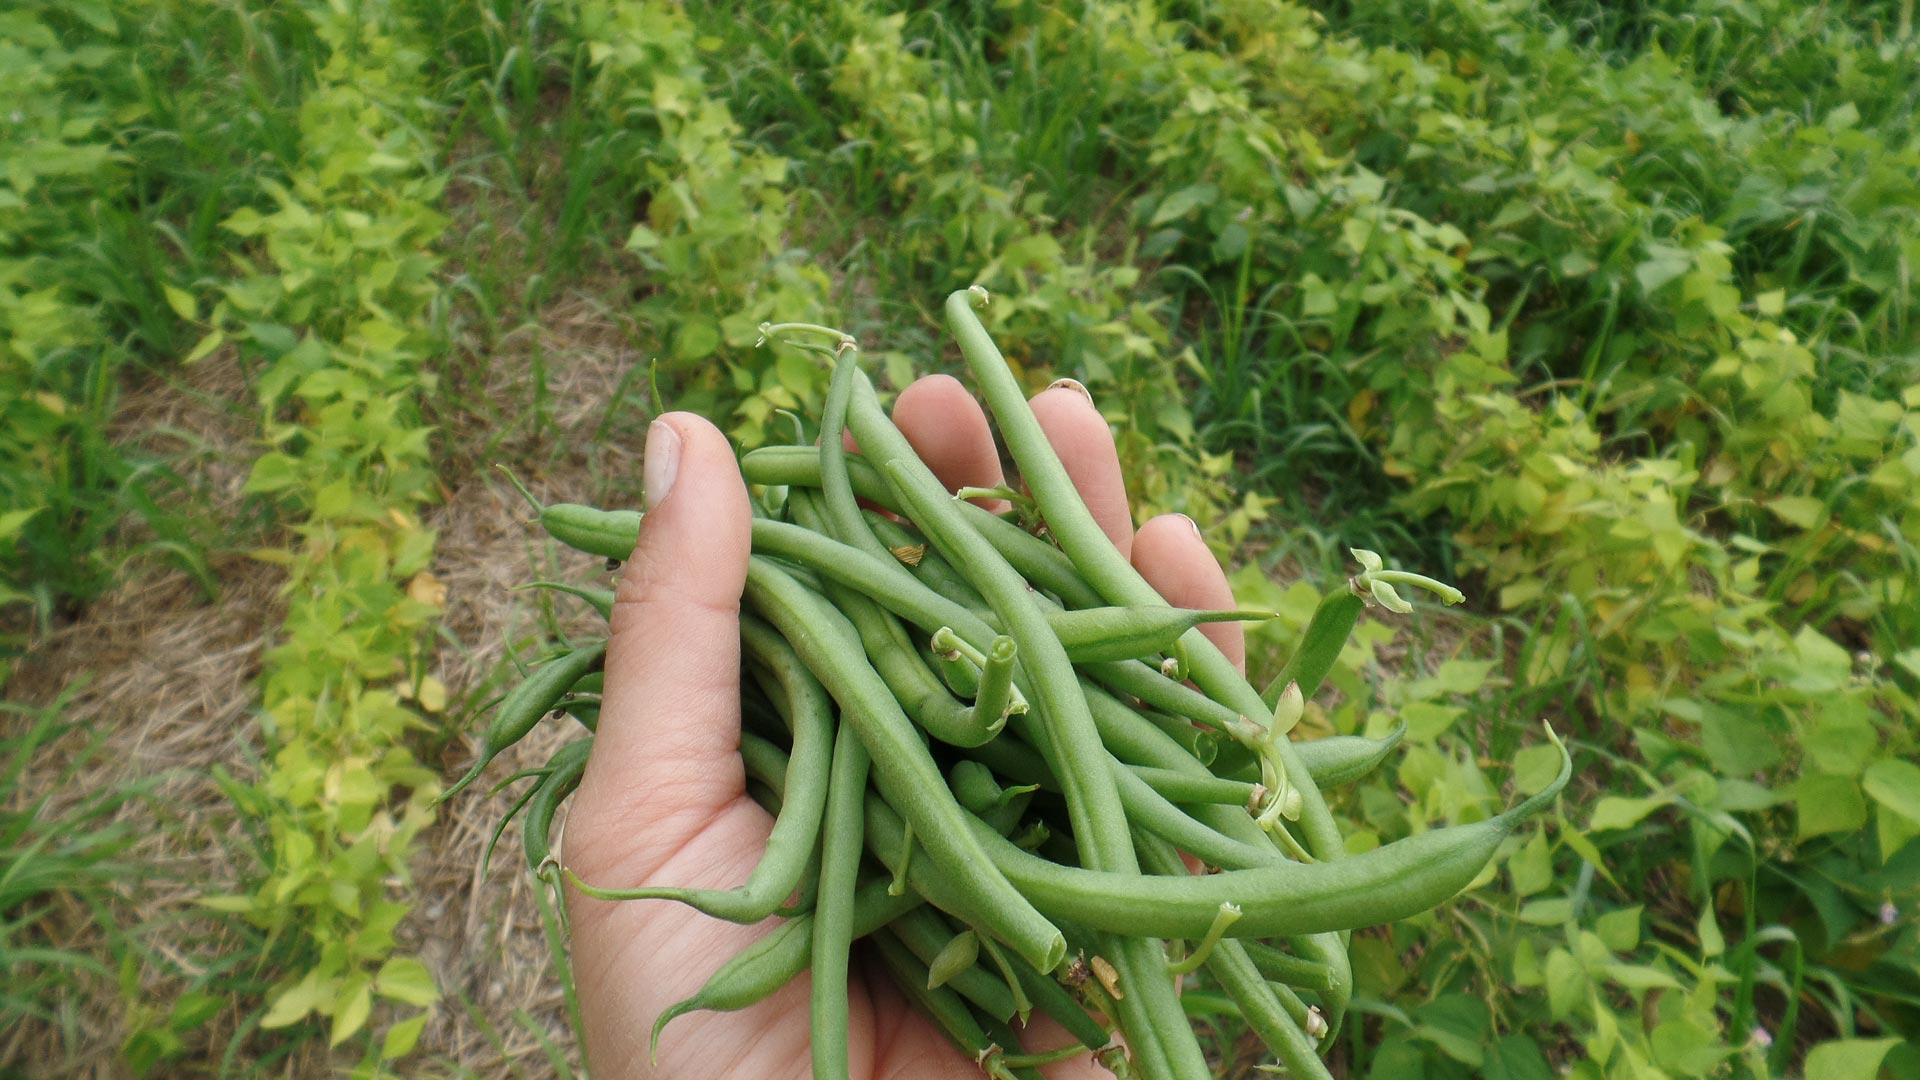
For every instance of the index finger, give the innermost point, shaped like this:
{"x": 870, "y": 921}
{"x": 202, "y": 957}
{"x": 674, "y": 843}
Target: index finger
{"x": 1084, "y": 443}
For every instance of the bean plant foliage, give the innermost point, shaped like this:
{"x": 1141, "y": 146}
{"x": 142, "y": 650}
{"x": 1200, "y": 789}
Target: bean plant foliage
{"x": 1604, "y": 312}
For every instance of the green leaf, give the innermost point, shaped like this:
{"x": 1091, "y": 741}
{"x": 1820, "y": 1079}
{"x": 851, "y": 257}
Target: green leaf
{"x": 351, "y": 1007}
{"x": 13, "y": 521}
{"x": 1517, "y": 1057}
{"x": 1738, "y": 742}
{"x": 1828, "y": 804}
{"x": 205, "y": 346}
{"x": 1458, "y": 1024}
{"x": 1895, "y": 784}
{"x": 1664, "y": 265}
{"x": 1531, "y": 867}
{"x": 1824, "y": 665}
{"x": 97, "y": 13}
{"x": 1534, "y": 767}
{"x": 1640, "y": 977}
{"x": 697, "y": 339}
{"x": 1618, "y": 812}
{"x": 1566, "y": 984}
{"x": 1619, "y": 929}
{"x": 1687, "y": 1049}
{"x": 272, "y": 471}
{"x": 402, "y": 1037}
{"x": 1553, "y": 911}
{"x": 1427, "y": 721}
{"x": 1712, "y": 942}
{"x": 275, "y": 340}
{"x": 182, "y": 302}
{"x": 1842, "y": 738}
{"x": 1800, "y": 510}
{"x": 295, "y": 1003}
{"x": 1848, "y": 1059}
{"x": 405, "y": 979}
{"x": 1183, "y": 202}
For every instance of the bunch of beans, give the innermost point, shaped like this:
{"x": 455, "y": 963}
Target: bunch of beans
{"x": 987, "y": 752}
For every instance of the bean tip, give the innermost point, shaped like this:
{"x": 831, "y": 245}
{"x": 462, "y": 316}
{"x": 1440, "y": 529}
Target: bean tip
{"x": 521, "y": 488}
{"x": 461, "y": 784}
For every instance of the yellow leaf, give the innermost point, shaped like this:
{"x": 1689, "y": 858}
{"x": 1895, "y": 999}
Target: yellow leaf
{"x": 428, "y": 589}
{"x": 182, "y": 302}
{"x": 206, "y": 345}
{"x": 1360, "y": 408}
{"x": 351, "y": 1007}
{"x": 276, "y": 556}
{"x": 430, "y": 695}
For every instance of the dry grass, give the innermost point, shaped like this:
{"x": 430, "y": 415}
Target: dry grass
{"x": 165, "y": 682}
{"x": 161, "y": 691}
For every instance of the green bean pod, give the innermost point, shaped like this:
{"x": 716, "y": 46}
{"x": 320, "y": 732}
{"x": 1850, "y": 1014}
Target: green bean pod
{"x": 833, "y": 909}
{"x": 1104, "y": 634}
{"x": 929, "y": 566}
{"x": 563, "y": 775}
{"x": 1263, "y": 1009}
{"x": 1051, "y": 998}
{"x": 1098, "y": 561}
{"x": 499, "y": 830}
{"x": 925, "y": 934}
{"x": 1003, "y": 1036}
{"x": 790, "y": 845}
{"x": 1186, "y": 789}
{"x": 942, "y": 1006}
{"x": 894, "y": 656}
{"x": 1389, "y": 883}
{"x": 600, "y": 599}
{"x": 1320, "y": 646}
{"x": 609, "y": 534}
{"x": 1035, "y": 559}
{"x": 902, "y": 767}
{"x": 1132, "y": 631}
{"x": 1134, "y": 679}
{"x": 1342, "y": 759}
{"x": 525, "y": 704}
{"x": 775, "y": 960}
{"x": 1286, "y": 968}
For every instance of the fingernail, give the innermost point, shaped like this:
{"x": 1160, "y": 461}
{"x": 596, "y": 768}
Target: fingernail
{"x": 662, "y": 462}
{"x": 1192, "y": 524}
{"x": 1071, "y": 384}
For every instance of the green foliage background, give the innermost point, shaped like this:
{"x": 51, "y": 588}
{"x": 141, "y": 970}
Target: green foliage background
{"x": 1605, "y": 311}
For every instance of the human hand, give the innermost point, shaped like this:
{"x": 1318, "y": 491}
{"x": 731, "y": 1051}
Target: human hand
{"x": 664, "y": 800}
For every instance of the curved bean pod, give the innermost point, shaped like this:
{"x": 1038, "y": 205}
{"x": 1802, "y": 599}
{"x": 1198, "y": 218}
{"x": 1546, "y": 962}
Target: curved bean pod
{"x": 1342, "y": 759}
{"x": 564, "y": 771}
{"x": 809, "y": 716}
{"x": 525, "y": 704}
{"x": 1384, "y": 885}
{"x": 902, "y": 767}
{"x": 833, "y": 909}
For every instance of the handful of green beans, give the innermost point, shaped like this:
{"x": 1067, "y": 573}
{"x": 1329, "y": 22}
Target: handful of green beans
{"x": 986, "y": 753}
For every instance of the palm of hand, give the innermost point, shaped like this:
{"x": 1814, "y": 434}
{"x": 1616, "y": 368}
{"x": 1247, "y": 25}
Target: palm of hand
{"x": 664, "y": 797}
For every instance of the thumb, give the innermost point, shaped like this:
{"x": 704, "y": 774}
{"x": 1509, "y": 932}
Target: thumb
{"x": 666, "y": 757}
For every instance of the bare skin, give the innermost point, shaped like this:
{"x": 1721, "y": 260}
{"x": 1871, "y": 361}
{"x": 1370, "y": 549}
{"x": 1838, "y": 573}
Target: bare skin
{"x": 664, "y": 798}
